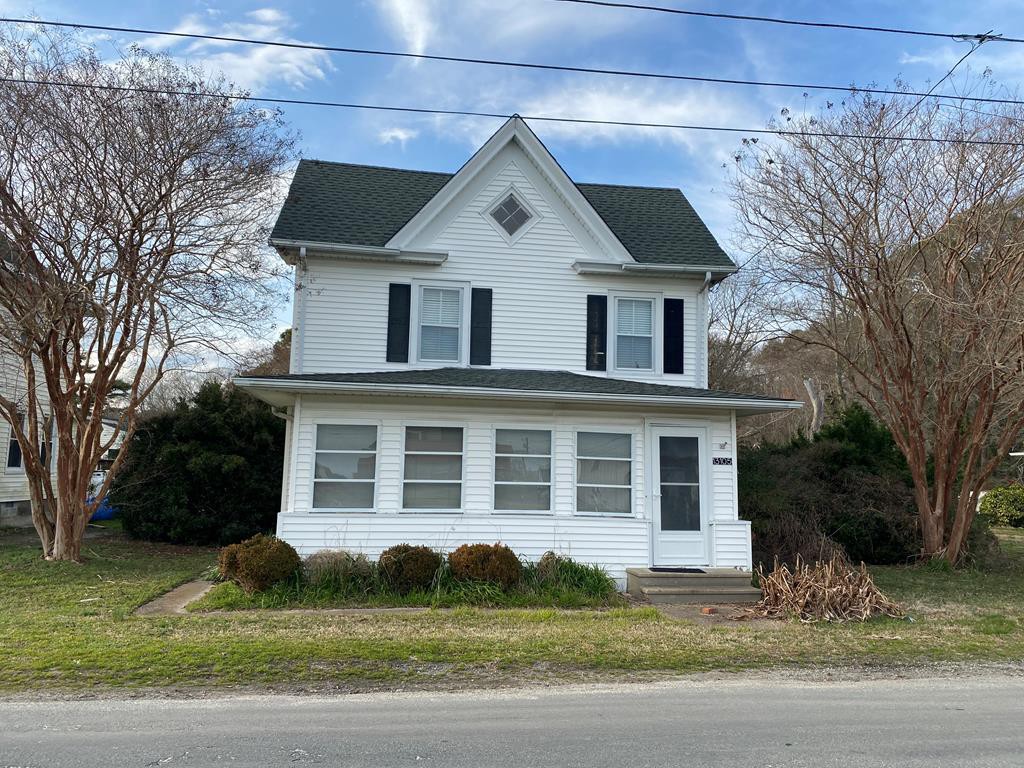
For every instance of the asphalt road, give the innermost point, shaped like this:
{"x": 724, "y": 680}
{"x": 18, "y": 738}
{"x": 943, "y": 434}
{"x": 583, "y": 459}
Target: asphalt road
{"x": 948, "y": 723}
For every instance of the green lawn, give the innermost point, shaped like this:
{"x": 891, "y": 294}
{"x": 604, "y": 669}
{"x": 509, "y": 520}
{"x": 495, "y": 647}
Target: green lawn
{"x": 70, "y": 628}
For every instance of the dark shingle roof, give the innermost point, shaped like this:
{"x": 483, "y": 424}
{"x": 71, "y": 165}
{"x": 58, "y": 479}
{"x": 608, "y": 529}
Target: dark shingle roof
{"x": 521, "y": 380}
{"x": 349, "y": 204}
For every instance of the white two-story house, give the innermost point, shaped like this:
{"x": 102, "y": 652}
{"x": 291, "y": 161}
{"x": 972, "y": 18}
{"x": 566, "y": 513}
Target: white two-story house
{"x": 502, "y": 354}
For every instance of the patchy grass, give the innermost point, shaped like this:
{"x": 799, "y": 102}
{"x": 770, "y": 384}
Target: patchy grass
{"x": 70, "y": 628}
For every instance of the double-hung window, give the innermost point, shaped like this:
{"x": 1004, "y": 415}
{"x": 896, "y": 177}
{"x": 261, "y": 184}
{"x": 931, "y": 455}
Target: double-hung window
{"x": 522, "y": 470}
{"x": 439, "y": 324}
{"x": 604, "y": 473}
{"x": 14, "y": 457}
{"x": 433, "y": 468}
{"x": 345, "y": 467}
{"x": 634, "y": 334}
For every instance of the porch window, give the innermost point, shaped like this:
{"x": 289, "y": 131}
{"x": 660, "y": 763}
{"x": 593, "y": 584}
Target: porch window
{"x": 634, "y": 334}
{"x": 522, "y": 470}
{"x": 440, "y": 324}
{"x": 14, "y": 457}
{"x": 604, "y": 472}
{"x": 433, "y": 468}
{"x": 345, "y": 467}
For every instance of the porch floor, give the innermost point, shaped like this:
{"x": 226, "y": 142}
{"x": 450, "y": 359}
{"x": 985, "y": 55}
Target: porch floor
{"x": 714, "y": 585}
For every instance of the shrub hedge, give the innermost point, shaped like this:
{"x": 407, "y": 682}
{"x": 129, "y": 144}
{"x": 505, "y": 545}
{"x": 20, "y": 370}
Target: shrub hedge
{"x": 495, "y": 563}
{"x": 258, "y": 562}
{"x": 1004, "y": 506}
{"x": 406, "y": 568}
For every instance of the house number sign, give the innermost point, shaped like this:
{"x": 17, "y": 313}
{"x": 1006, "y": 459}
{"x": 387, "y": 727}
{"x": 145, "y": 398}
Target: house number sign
{"x": 722, "y": 461}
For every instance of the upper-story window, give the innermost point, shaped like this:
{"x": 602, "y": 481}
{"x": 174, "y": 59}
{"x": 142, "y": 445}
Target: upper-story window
{"x": 634, "y": 333}
{"x": 440, "y": 324}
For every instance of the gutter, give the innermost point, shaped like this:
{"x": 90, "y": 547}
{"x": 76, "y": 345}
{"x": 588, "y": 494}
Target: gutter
{"x": 431, "y": 390}
{"x": 715, "y": 273}
{"x": 358, "y": 252}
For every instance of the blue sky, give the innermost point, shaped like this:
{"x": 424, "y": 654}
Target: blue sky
{"x": 547, "y": 31}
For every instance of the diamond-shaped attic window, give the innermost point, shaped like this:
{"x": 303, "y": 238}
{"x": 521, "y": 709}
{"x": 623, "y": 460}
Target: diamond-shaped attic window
{"x": 511, "y": 215}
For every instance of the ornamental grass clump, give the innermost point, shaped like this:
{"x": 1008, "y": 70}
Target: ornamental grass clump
{"x": 339, "y": 571}
{"x": 494, "y": 563}
{"x": 831, "y": 590}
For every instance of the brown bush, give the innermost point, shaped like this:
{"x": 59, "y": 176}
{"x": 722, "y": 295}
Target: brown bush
{"x": 831, "y": 590}
{"x": 406, "y": 568}
{"x": 258, "y": 563}
{"x": 486, "y": 562}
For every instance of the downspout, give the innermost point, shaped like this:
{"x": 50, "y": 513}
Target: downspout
{"x": 702, "y": 345}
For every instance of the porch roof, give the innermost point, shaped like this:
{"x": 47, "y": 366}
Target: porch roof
{"x": 507, "y": 384}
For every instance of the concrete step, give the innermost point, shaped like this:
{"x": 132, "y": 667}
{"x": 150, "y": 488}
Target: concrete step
{"x": 637, "y": 578}
{"x": 701, "y": 595}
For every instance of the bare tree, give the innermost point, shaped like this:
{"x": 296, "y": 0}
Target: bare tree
{"x": 134, "y": 205}
{"x": 895, "y": 240}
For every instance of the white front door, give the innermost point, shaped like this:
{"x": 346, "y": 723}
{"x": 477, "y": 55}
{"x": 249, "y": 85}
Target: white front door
{"x": 680, "y": 490}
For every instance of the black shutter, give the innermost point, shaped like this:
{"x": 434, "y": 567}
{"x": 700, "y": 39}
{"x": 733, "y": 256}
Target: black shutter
{"x": 673, "y": 335}
{"x": 399, "y": 299}
{"x": 480, "y": 327}
{"x": 597, "y": 333}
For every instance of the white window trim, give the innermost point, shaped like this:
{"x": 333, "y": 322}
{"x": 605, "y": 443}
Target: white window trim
{"x": 462, "y": 479}
{"x": 657, "y": 331}
{"x": 494, "y": 470}
{"x": 633, "y": 433}
{"x": 20, "y": 469}
{"x": 511, "y": 189}
{"x": 313, "y": 480}
{"x": 414, "y": 321}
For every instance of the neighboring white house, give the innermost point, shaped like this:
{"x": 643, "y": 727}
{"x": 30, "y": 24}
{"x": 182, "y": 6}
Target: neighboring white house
{"x": 504, "y": 355}
{"x": 14, "y": 496}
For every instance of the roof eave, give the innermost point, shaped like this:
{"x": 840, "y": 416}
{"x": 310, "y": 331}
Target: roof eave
{"x": 743, "y": 406}
{"x": 289, "y": 251}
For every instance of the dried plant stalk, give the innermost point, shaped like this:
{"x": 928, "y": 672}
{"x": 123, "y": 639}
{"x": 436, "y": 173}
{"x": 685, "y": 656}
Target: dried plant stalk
{"x": 831, "y": 590}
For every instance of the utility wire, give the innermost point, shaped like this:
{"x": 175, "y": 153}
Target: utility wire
{"x": 792, "y": 22}
{"x": 512, "y": 64}
{"x": 504, "y": 116}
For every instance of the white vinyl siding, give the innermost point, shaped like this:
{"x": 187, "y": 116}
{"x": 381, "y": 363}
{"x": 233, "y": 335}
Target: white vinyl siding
{"x": 539, "y": 310}
{"x": 613, "y": 541}
{"x": 433, "y": 468}
{"x": 634, "y": 334}
{"x": 604, "y": 473}
{"x": 522, "y": 470}
{"x": 345, "y": 467}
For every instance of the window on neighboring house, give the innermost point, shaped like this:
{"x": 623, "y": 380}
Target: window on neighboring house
{"x": 433, "y": 468}
{"x": 14, "y": 457}
{"x": 634, "y": 334}
{"x": 522, "y": 470}
{"x": 345, "y": 468}
{"x": 511, "y": 215}
{"x": 604, "y": 472}
{"x": 440, "y": 324}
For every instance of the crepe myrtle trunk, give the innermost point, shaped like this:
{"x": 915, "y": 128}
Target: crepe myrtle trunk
{"x": 892, "y": 234}
{"x": 135, "y": 196}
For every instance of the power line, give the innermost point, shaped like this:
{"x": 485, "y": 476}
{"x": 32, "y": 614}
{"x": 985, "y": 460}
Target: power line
{"x": 505, "y": 116}
{"x": 510, "y": 64}
{"x": 795, "y": 22}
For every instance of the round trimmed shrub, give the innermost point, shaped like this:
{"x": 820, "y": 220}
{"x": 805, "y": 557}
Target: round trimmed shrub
{"x": 1004, "y": 506}
{"x": 406, "y": 568}
{"x": 495, "y": 563}
{"x": 338, "y": 569}
{"x": 258, "y": 563}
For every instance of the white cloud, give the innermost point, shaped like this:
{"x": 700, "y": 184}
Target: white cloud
{"x": 412, "y": 20}
{"x": 397, "y": 135}
{"x": 248, "y": 66}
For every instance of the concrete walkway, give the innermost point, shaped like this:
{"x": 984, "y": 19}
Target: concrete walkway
{"x": 173, "y": 603}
